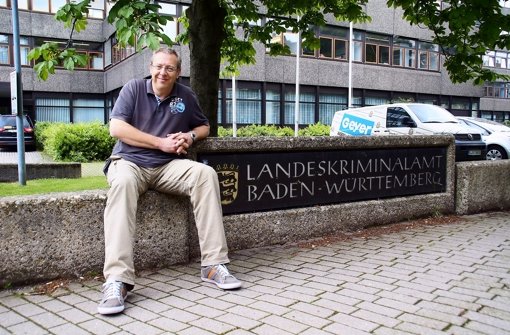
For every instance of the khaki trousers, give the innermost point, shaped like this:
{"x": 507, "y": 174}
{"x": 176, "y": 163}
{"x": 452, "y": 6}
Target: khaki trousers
{"x": 181, "y": 177}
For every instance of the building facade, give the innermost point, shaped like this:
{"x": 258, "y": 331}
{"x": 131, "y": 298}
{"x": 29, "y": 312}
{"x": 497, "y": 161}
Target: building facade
{"x": 392, "y": 61}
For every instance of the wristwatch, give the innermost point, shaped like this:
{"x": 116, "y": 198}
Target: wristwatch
{"x": 193, "y": 136}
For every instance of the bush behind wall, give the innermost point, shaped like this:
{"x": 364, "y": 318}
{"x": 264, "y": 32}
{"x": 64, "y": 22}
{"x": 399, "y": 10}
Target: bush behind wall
{"x": 80, "y": 142}
{"x": 91, "y": 142}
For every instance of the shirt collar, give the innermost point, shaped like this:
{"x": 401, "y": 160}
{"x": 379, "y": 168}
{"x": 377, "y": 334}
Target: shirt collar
{"x": 173, "y": 93}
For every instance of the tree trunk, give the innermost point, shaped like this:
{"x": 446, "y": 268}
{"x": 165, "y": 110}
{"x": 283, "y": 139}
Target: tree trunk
{"x": 206, "y": 34}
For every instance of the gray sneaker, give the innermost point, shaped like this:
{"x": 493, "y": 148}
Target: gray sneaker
{"x": 114, "y": 293}
{"x": 219, "y": 275}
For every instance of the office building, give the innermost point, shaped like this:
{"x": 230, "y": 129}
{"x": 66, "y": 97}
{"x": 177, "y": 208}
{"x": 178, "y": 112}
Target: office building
{"x": 392, "y": 61}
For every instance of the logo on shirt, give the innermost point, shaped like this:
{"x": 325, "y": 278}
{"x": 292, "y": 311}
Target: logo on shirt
{"x": 177, "y": 106}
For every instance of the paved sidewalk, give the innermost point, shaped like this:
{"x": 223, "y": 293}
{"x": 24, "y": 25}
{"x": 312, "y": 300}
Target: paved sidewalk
{"x": 427, "y": 279}
{"x": 11, "y": 157}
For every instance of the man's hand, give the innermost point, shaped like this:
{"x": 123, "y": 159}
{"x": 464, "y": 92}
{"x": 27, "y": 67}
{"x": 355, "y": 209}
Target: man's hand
{"x": 176, "y": 143}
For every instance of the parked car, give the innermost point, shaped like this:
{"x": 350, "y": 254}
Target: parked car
{"x": 410, "y": 119}
{"x": 8, "y": 133}
{"x": 496, "y": 135}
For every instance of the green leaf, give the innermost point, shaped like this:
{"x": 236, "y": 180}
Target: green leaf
{"x": 80, "y": 25}
{"x": 126, "y": 12}
{"x": 34, "y": 54}
{"x": 69, "y": 64}
{"x": 153, "y": 41}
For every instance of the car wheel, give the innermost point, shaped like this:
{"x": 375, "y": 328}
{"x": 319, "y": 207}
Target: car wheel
{"x": 495, "y": 153}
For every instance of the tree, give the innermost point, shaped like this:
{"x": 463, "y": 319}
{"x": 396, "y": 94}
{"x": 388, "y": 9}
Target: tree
{"x": 222, "y": 30}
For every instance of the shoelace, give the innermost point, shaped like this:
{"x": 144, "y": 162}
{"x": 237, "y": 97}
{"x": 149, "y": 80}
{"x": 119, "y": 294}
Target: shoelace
{"x": 223, "y": 272}
{"x": 112, "y": 290}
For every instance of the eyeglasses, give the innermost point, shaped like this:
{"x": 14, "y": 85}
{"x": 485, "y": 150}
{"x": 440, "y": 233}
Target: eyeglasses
{"x": 168, "y": 69}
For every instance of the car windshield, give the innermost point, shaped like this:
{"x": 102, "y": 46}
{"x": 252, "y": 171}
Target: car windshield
{"x": 10, "y": 121}
{"x": 493, "y": 125}
{"x": 432, "y": 114}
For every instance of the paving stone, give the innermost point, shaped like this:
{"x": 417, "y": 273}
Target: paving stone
{"x": 483, "y": 328}
{"x": 10, "y": 318}
{"x": 423, "y": 321}
{"x": 412, "y": 328}
{"x": 55, "y": 305}
{"x": 239, "y": 321}
{"x": 339, "y": 328}
{"x": 139, "y": 327}
{"x": 488, "y": 320}
{"x": 307, "y": 319}
{"x": 177, "y": 302}
{"x": 450, "y": 279}
{"x": 266, "y": 329}
{"x": 269, "y": 307}
{"x": 97, "y": 326}
{"x": 284, "y": 324}
{"x": 213, "y": 326}
{"x": 67, "y": 329}
{"x": 376, "y": 318}
{"x": 27, "y": 327}
{"x": 180, "y": 315}
{"x": 354, "y": 322}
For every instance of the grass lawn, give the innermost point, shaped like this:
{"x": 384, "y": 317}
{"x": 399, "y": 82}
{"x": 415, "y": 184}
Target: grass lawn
{"x": 41, "y": 186}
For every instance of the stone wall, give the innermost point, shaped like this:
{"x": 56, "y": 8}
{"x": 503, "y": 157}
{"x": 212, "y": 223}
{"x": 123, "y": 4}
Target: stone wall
{"x": 61, "y": 235}
{"x": 482, "y": 186}
{"x": 40, "y": 170}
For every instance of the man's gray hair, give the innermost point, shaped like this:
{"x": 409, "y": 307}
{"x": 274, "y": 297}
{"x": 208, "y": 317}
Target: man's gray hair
{"x": 169, "y": 51}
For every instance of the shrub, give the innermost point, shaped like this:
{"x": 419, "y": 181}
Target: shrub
{"x": 41, "y": 133}
{"x": 317, "y": 129}
{"x": 82, "y": 142}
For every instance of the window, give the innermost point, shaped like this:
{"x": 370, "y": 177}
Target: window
{"x": 341, "y": 49}
{"x": 306, "y": 107}
{"x": 326, "y": 49}
{"x": 4, "y": 49}
{"x": 88, "y": 110}
{"x": 377, "y": 49}
{"x": 404, "y": 53}
{"x": 23, "y": 4}
{"x": 120, "y": 53}
{"x": 500, "y": 90}
{"x": 97, "y": 9}
{"x": 96, "y": 61}
{"x": 289, "y": 39}
{"x": 52, "y": 110}
{"x": 428, "y": 55}
{"x": 501, "y": 59}
{"x": 171, "y": 27}
{"x": 329, "y": 104}
{"x": 93, "y": 50}
{"x": 41, "y": 6}
{"x": 273, "y": 105}
{"x": 489, "y": 58}
{"x": 249, "y": 105}
{"x": 460, "y": 104}
{"x": 397, "y": 117}
{"x": 56, "y": 4}
{"x": 24, "y": 50}
{"x": 333, "y": 42}
{"x": 3, "y": 3}
{"x": 374, "y": 99}
{"x": 357, "y": 41}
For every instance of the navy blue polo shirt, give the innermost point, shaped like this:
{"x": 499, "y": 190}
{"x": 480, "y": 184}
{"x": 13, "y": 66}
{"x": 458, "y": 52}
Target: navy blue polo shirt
{"x": 138, "y": 106}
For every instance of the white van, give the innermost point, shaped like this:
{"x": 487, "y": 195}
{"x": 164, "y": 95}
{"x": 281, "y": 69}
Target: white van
{"x": 409, "y": 119}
